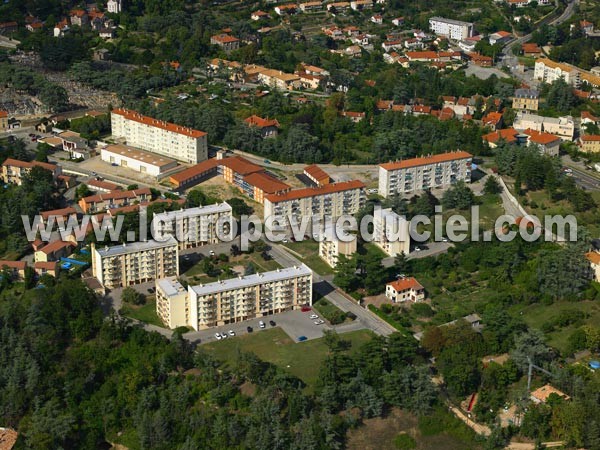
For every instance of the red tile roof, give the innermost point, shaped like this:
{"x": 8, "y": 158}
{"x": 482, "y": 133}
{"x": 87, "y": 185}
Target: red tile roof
{"x": 316, "y": 172}
{"x": 492, "y": 118}
{"x": 405, "y": 284}
{"x": 18, "y": 265}
{"x": 137, "y": 117}
{"x": 541, "y": 137}
{"x": 103, "y": 185}
{"x": 184, "y": 175}
{"x": 8, "y": 438}
{"x": 240, "y": 165}
{"x": 311, "y": 192}
{"x": 259, "y": 122}
{"x": 26, "y": 164}
{"x": 55, "y": 246}
{"x": 425, "y": 160}
{"x": 59, "y": 212}
{"x": 46, "y": 265}
{"x": 590, "y": 137}
{"x": 266, "y": 183}
{"x": 593, "y": 257}
{"x": 224, "y": 38}
{"x": 422, "y": 55}
{"x": 508, "y": 135}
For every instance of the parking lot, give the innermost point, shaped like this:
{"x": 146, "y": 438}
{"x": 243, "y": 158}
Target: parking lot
{"x": 295, "y": 324}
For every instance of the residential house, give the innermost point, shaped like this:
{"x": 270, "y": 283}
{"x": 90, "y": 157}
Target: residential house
{"x": 338, "y": 6}
{"x": 259, "y": 15}
{"x": 8, "y": 28}
{"x": 283, "y": 10}
{"x": 309, "y": 7}
{"x": 492, "y": 120}
{"x": 75, "y": 145}
{"x": 79, "y": 17}
{"x": 526, "y": 99}
{"x": 3, "y": 120}
{"x": 561, "y": 126}
{"x": 16, "y": 269}
{"x": 398, "y": 21}
{"x": 354, "y": 116}
{"x": 500, "y": 37}
{"x": 547, "y": 143}
{"x": 61, "y": 28}
{"x": 54, "y": 251}
{"x": 13, "y": 170}
{"x": 268, "y": 127}
{"x": 359, "y": 5}
{"x": 377, "y": 19}
{"x": 405, "y": 290}
{"x": 34, "y": 26}
{"x": 589, "y": 143}
{"x": 531, "y": 49}
{"x": 106, "y": 33}
{"x": 225, "y": 41}
{"x": 104, "y": 201}
{"x": 542, "y": 394}
{"x": 594, "y": 259}
{"x": 480, "y": 60}
{"x": 549, "y": 71}
{"x": 46, "y": 268}
{"x": 507, "y": 135}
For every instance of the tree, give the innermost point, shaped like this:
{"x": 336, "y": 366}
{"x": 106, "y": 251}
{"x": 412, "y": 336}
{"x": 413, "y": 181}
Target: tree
{"x": 82, "y": 191}
{"x": 528, "y": 346}
{"x": 345, "y": 273}
{"x": 131, "y": 296}
{"x": 563, "y": 272}
{"x": 459, "y": 196}
{"x": 492, "y": 186}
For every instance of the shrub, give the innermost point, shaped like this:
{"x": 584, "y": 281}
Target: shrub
{"x": 404, "y": 442}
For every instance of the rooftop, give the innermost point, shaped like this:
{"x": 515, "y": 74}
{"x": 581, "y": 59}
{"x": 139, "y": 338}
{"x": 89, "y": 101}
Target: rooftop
{"x": 137, "y": 117}
{"x": 314, "y": 191}
{"x": 404, "y": 284}
{"x": 266, "y": 183}
{"x": 316, "y": 172}
{"x": 425, "y": 160}
{"x": 251, "y": 280}
{"x": 134, "y": 247}
{"x": 542, "y": 393}
{"x": 139, "y": 155}
{"x": 259, "y": 122}
{"x": 194, "y": 212}
{"x": 170, "y": 286}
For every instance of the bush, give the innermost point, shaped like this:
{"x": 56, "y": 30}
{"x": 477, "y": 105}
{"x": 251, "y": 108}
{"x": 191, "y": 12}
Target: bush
{"x": 404, "y": 442}
{"x": 422, "y": 310}
{"x": 130, "y": 295}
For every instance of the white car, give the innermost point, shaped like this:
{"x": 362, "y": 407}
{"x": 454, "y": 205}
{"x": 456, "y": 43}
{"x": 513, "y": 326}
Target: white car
{"x": 319, "y": 322}
{"x": 212, "y": 253}
{"x": 314, "y": 316}
{"x": 231, "y": 333}
{"x": 224, "y": 335}
{"x": 218, "y": 336}
{"x": 261, "y": 324}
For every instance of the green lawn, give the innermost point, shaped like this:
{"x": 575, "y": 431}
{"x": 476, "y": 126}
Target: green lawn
{"x": 328, "y": 310}
{"x": 244, "y": 259}
{"x": 145, "y": 313}
{"x": 301, "y": 359}
{"x": 538, "y": 314}
{"x": 309, "y": 251}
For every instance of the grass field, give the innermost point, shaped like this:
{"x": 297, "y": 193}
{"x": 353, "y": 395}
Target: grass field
{"x": 300, "y": 359}
{"x": 309, "y": 251}
{"x": 327, "y": 309}
{"x": 145, "y": 313}
{"x": 195, "y": 272}
{"x": 538, "y": 314}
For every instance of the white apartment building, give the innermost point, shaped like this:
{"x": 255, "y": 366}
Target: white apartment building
{"x": 114, "y": 6}
{"x": 391, "y": 232}
{"x": 193, "y": 227}
{"x": 157, "y": 136}
{"x": 331, "y": 246}
{"x": 136, "y": 262}
{"x": 453, "y": 29}
{"x": 549, "y": 71}
{"x": 329, "y": 201}
{"x": 434, "y": 171}
{"x": 137, "y": 160}
{"x": 233, "y": 300}
{"x": 564, "y": 127}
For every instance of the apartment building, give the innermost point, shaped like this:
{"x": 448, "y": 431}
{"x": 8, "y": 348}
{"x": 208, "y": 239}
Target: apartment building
{"x": 391, "y": 232}
{"x": 549, "y": 71}
{"x": 193, "y": 227}
{"x": 331, "y": 246}
{"x": 135, "y": 262}
{"x": 563, "y": 127}
{"x": 405, "y": 290}
{"x": 434, "y": 171}
{"x": 157, "y": 136}
{"x": 137, "y": 160}
{"x": 113, "y": 199}
{"x": 589, "y": 143}
{"x": 13, "y": 170}
{"x": 526, "y": 99}
{"x": 332, "y": 201}
{"x": 453, "y": 29}
{"x": 233, "y": 300}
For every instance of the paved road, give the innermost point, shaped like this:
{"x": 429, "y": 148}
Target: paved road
{"x": 329, "y": 291}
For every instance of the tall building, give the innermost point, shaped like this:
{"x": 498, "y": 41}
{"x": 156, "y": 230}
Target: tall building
{"x": 413, "y": 175}
{"x": 157, "y": 136}
{"x": 195, "y": 226}
{"x": 233, "y": 300}
{"x": 549, "y": 71}
{"x": 331, "y": 247}
{"x": 453, "y": 29}
{"x": 561, "y": 126}
{"x": 329, "y": 201}
{"x": 114, "y": 6}
{"x": 391, "y": 232}
{"x": 136, "y": 262}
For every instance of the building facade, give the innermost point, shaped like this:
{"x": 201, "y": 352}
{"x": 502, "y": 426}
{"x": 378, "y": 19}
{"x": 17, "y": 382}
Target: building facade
{"x": 136, "y": 262}
{"x": 193, "y": 227}
{"x": 590, "y": 143}
{"x": 526, "y": 99}
{"x": 405, "y": 290}
{"x": 234, "y": 300}
{"x": 453, "y": 29}
{"x": 413, "y": 175}
{"x": 391, "y": 232}
{"x": 563, "y": 127}
{"x": 549, "y": 71}
{"x": 330, "y": 201}
{"x": 157, "y": 136}
{"x": 331, "y": 247}
{"x": 137, "y": 160}
{"x": 13, "y": 170}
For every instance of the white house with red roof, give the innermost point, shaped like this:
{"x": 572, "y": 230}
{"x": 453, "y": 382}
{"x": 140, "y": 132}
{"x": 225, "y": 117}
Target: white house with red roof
{"x": 406, "y": 289}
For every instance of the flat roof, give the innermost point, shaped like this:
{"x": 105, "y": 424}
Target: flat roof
{"x": 170, "y": 286}
{"x": 139, "y": 155}
{"x": 452, "y": 21}
{"x": 426, "y": 160}
{"x": 251, "y": 280}
{"x": 133, "y": 247}
{"x": 193, "y": 212}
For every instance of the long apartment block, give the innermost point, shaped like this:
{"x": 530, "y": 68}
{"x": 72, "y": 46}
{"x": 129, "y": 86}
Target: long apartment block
{"x": 233, "y": 300}
{"x": 193, "y": 227}
{"x": 329, "y": 201}
{"x": 157, "y": 136}
{"x": 410, "y": 176}
{"x": 136, "y": 262}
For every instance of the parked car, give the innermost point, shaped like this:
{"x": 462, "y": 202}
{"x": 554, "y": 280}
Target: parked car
{"x": 224, "y": 335}
{"x": 261, "y": 324}
{"x": 272, "y": 323}
{"x": 302, "y": 338}
{"x": 218, "y": 336}
{"x": 314, "y": 316}
{"x": 249, "y": 329}
{"x": 231, "y": 333}
{"x": 212, "y": 253}
{"x": 305, "y": 308}
{"x": 319, "y": 322}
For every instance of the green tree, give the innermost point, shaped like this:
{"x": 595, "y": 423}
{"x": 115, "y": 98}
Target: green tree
{"x": 492, "y": 186}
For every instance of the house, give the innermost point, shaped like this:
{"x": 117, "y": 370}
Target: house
{"x": 547, "y": 143}
{"x": 101, "y": 54}
{"x": 59, "y": 214}
{"x": 354, "y": 51}
{"x": 507, "y": 135}
{"x": 594, "y": 259}
{"x": 531, "y": 49}
{"x": 309, "y": 81}
{"x": 54, "y": 251}
{"x": 268, "y": 127}
{"x": 102, "y": 186}
{"x": 359, "y": 5}
{"x": 8, "y": 27}
{"x": 75, "y": 145}
{"x": 35, "y": 26}
{"x": 309, "y": 7}
{"x": 526, "y": 99}
{"x": 398, "y": 21}
{"x": 283, "y": 10}
{"x": 561, "y": 126}
{"x": 589, "y": 143}
{"x": 46, "y": 268}
{"x": 114, "y": 199}
{"x": 377, "y": 19}
{"x": 405, "y": 290}
{"x": 8, "y": 438}
{"x": 586, "y": 27}
{"x": 588, "y": 118}
{"x": 13, "y": 170}
{"x": 106, "y": 33}
{"x": 225, "y": 41}
{"x": 354, "y": 116}
{"x": 500, "y": 37}
{"x": 351, "y": 30}
{"x": 541, "y": 395}
{"x": 334, "y": 32}
{"x": 467, "y": 46}
{"x": 259, "y": 15}
{"x": 492, "y": 120}
{"x": 61, "y": 28}
{"x": 3, "y": 120}
{"x": 114, "y": 6}
{"x": 16, "y": 269}
{"x": 79, "y": 17}
{"x": 480, "y": 60}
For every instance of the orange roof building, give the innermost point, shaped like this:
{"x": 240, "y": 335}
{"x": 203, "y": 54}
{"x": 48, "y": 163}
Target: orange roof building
{"x": 268, "y": 127}
{"x": 508, "y": 135}
{"x": 317, "y": 175}
{"x": 541, "y": 395}
{"x": 405, "y": 289}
